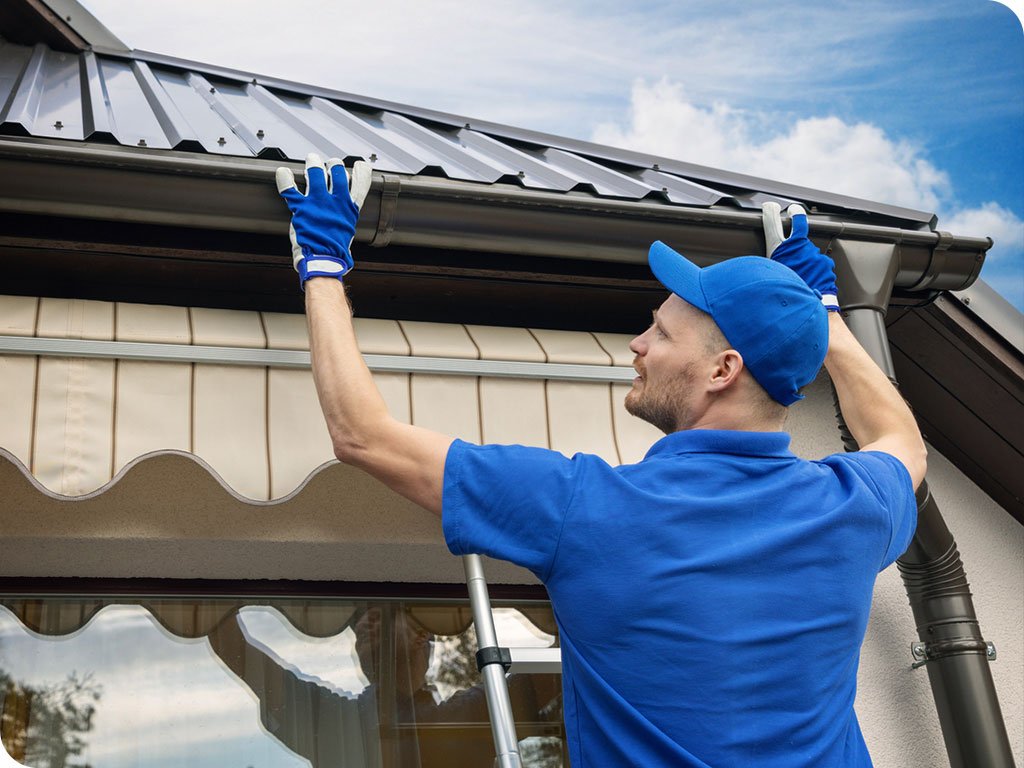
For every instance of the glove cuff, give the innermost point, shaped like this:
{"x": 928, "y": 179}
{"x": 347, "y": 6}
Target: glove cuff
{"x": 321, "y": 266}
{"x": 831, "y": 302}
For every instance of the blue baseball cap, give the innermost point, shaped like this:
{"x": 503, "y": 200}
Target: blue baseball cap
{"x": 764, "y": 310}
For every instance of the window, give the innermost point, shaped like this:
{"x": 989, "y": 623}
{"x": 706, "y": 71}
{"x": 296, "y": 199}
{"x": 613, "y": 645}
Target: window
{"x": 264, "y": 683}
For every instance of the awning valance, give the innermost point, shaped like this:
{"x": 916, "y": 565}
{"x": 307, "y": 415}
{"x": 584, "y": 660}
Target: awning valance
{"x": 199, "y": 617}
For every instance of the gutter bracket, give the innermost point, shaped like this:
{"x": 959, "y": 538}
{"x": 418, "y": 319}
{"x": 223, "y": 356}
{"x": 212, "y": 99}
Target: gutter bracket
{"x": 940, "y": 259}
{"x": 391, "y": 186}
{"x": 940, "y": 649}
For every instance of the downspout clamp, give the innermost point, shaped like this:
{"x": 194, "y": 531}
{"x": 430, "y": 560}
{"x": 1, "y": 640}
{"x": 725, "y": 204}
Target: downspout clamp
{"x": 950, "y": 644}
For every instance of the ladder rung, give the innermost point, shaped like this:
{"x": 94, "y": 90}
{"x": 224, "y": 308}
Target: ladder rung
{"x": 536, "y": 661}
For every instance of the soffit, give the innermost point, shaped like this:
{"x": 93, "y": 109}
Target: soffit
{"x": 965, "y": 381}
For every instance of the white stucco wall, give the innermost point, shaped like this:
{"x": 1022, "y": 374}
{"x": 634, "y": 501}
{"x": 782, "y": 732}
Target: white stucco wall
{"x": 894, "y": 702}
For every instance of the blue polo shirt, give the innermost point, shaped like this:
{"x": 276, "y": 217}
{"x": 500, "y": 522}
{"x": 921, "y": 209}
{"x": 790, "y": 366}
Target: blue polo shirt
{"x": 711, "y": 599}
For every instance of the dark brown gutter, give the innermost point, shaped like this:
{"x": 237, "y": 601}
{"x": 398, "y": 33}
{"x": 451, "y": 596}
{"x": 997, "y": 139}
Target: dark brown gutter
{"x": 187, "y": 189}
{"x": 951, "y": 645}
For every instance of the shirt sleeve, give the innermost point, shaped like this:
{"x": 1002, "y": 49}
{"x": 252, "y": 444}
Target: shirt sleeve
{"x": 507, "y": 502}
{"x": 891, "y": 485}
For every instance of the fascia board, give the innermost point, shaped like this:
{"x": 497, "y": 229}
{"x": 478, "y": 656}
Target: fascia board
{"x": 995, "y": 311}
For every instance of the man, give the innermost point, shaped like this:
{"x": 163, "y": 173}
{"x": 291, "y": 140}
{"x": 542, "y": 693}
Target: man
{"x": 711, "y": 599}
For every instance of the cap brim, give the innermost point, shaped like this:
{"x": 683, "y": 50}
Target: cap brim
{"x": 678, "y": 274}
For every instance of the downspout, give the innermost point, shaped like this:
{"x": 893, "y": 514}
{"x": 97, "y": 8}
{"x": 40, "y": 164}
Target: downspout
{"x": 950, "y": 644}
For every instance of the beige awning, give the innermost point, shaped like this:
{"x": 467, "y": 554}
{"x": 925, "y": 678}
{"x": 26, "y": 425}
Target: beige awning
{"x": 113, "y": 465}
{"x": 77, "y": 423}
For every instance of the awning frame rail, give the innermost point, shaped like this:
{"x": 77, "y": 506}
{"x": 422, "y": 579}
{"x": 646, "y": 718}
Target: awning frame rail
{"x": 295, "y": 358}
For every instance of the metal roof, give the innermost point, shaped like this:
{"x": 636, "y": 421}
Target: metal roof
{"x": 140, "y": 99}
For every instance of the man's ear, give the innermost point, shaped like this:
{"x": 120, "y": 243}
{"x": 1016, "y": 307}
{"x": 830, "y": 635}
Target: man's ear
{"x": 728, "y": 366}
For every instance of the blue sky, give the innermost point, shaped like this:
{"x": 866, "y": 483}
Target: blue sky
{"x": 911, "y": 102}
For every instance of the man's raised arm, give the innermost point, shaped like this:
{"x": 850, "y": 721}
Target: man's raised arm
{"x": 874, "y": 411}
{"x": 409, "y": 460}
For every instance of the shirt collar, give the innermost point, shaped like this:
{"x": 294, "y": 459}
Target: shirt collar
{"x": 730, "y": 441}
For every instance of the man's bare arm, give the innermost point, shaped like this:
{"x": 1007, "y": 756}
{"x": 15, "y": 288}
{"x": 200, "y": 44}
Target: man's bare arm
{"x": 409, "y": 460}
{"x": 874, "y": 411}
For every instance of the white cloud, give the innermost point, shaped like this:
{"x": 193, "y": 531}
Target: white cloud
{"x": 856, "y": 159}
{"x": 993, "y": 220}
{"x": 1004, "y": 265}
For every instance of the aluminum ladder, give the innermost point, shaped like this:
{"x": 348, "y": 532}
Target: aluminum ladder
{"x": 494, "y": 662}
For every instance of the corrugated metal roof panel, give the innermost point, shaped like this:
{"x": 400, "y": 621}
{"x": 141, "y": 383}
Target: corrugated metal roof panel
{"x": 47, "y": 98}
{"x": 605, "y": 181}
{"x": 681, "y": 190}
{"x": 530, "y": 169}
{"x": 13, "y": 59}
{"x": 204, "y": 123}
{"x": 755, "y": 199}
{"x": 358, "y": 137}
{"x": 154, "y": 101}
{"x": 172, "y": 122}
{"x": 133, "y": 117}
{"x": 96, "y": 113}
{"x": 444, "y": 149}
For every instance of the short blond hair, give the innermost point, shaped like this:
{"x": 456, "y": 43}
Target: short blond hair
{"x": 765, "y": 407}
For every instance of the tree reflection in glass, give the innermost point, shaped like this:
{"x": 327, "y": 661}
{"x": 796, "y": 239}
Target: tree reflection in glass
{"x": 45, "y": 727}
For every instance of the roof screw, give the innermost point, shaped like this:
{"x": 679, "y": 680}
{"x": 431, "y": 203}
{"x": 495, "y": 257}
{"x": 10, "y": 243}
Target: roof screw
{"x": 467, "y": 125}
{"x": 67, "y": 18}
{"x": 665, "y": 190}
{"x": 655, "y": 167}
{"x": 212, "y": 89}
{"x": 260, "y": 134}
{"x": 142, "y": 142}
{"x": 990, "y": 651}
{"x": 521, "y": 174}
{"x": 373, "y": 157}
{"x": 222, "y": 141}
{"x": 58, "y": 125}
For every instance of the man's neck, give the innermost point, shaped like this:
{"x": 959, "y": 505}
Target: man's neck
{"x": 732, "y": 418}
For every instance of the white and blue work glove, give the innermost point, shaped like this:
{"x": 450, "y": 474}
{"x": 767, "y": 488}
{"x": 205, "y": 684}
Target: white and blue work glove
{"x": 324, "y": 219}
{"x": 798, "y": 253}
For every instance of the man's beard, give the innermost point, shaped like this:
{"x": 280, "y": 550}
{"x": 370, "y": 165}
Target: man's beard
{"x": 667, "y": 407}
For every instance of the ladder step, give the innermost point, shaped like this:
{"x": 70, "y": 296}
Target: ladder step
{"x": 536, "y": 661}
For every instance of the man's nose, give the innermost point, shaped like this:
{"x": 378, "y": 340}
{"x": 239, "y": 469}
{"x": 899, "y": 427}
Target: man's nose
{"x": 637, "y": 346}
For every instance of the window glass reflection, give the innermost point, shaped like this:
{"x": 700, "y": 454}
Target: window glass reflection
{"x": 166, "y": 682}
{"x": 159, "y": 700}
